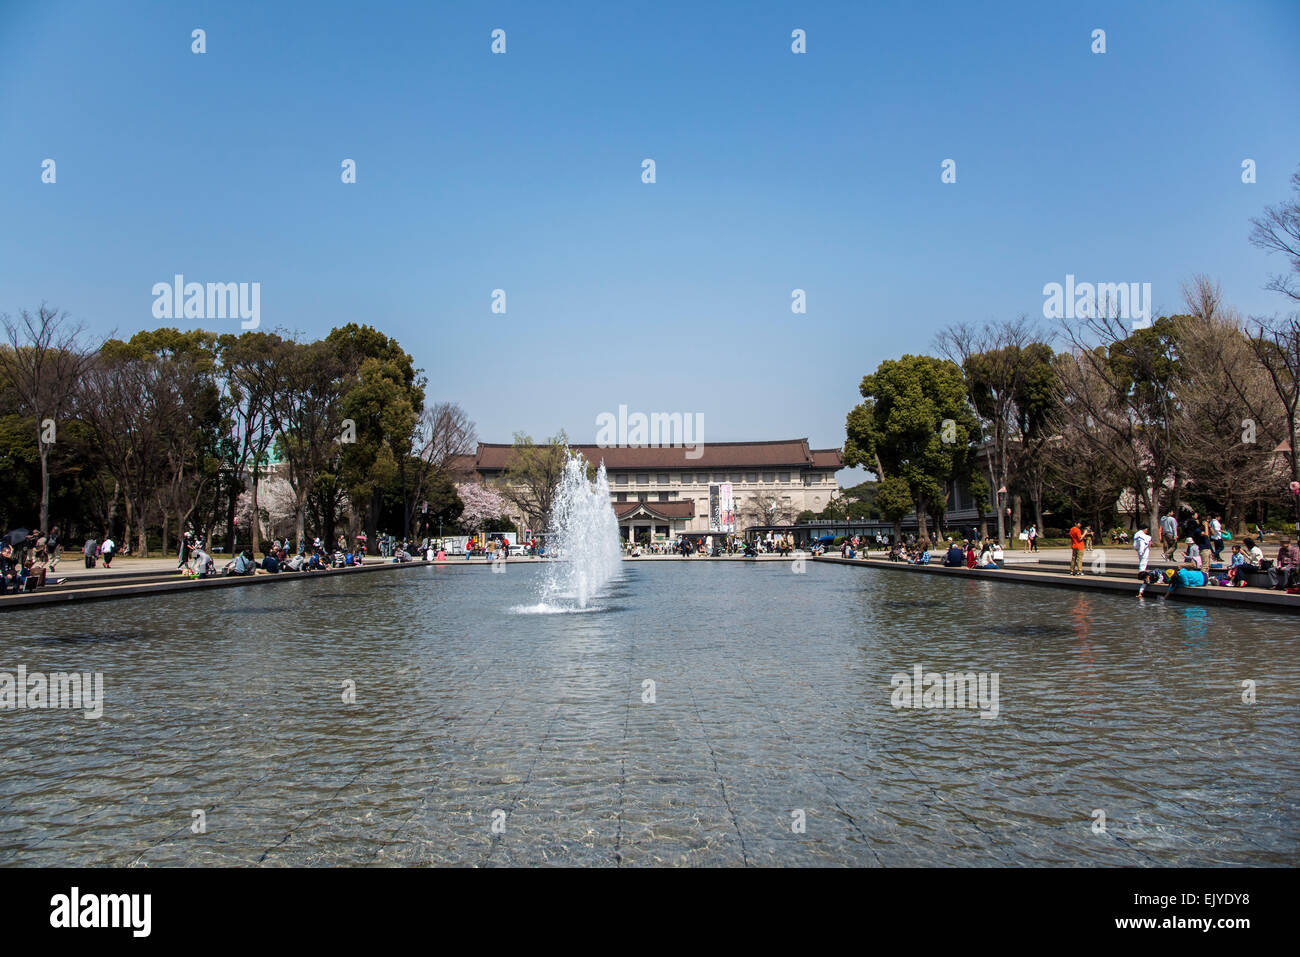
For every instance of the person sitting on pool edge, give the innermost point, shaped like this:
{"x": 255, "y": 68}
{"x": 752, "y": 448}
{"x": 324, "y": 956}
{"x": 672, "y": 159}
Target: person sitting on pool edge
{"x": 955, "y": 557}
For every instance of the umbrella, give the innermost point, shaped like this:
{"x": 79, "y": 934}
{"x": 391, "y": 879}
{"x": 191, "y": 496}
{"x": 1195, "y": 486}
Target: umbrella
{"x": 16, "y": 537}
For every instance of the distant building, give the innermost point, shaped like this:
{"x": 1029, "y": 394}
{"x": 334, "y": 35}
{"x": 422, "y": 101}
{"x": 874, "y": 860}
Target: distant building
{"x": 659, "y": 493}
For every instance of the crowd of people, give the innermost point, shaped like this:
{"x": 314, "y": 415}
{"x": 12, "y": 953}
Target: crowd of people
{"x": 1203, "y": 561}
{"x": 27, "y": 561}
{"x": 968, "y": 553}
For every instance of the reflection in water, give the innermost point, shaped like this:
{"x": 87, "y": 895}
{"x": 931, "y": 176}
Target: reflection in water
{"x": 771, "y": 692}
{"x": 1196, "y": 624}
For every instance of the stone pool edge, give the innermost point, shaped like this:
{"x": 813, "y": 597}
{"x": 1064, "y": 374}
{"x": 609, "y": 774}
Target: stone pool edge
{"x": 56, "y": 594}
{"x": 1205, "y": 595}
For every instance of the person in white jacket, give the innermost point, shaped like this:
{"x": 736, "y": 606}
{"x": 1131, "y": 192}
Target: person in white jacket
{"x": 1142, "y": 545}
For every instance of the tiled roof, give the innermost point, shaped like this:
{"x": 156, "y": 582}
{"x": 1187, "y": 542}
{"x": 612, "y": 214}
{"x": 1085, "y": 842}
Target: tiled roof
{"x": 679, "y": 509}
{"x": 786, "y": 453}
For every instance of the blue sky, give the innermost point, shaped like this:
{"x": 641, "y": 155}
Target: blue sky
{"x": 522, "y": 171}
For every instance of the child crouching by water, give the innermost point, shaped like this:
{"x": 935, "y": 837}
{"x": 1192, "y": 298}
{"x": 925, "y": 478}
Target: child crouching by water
{"x": 1177, "y": 578}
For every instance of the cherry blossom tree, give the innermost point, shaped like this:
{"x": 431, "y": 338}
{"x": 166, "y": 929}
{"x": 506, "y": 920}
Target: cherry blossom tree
{"x": 482, "y": 503}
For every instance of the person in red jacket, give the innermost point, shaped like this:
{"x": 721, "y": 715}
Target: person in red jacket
{"x": 1076, "y": 550}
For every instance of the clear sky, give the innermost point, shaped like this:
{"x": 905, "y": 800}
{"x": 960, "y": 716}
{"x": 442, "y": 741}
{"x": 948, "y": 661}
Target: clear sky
{"x": 522, "y": 172}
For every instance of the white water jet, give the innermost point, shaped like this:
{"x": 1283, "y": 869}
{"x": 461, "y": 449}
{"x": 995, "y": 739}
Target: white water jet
{"x": 583, "y": 537}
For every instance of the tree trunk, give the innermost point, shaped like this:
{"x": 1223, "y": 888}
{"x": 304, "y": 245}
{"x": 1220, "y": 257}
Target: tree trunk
{"x": 112, "y": 508}
{"x": 922, "y": 519}
{"x": 142, "y": 545}
{"x": 44, "y": 451}
{"x": 1016, "y": 515}
{"x": 230, "y": 519}
{"x": 255, "y": 526}
{"x": 300, "y": 515}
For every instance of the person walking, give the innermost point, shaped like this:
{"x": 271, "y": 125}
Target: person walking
{"x": 1033, "y": 538}
{"x": 1216, "y": 538}
{"x": 90, "y": 550}
{"x": 107, "y": 550}
{"x": 1169, "y": 535}
{"x": 1076, "y": 550}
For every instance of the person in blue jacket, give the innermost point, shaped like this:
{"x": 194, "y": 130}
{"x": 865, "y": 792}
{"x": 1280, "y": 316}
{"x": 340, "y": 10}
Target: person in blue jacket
{"x": 1177, "y": 578}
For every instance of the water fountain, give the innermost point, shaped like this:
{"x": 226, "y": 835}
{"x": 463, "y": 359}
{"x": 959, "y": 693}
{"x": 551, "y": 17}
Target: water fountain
{"x": 583, "y": 539}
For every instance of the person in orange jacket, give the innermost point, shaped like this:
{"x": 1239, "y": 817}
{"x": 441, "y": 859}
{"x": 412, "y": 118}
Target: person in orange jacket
{"x": 1076, "y": 550}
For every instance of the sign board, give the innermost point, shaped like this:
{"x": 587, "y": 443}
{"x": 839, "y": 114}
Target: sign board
{"x": 722, "y": 508}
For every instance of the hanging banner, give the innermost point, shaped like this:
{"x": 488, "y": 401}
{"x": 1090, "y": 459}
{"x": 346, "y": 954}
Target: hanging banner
{"x": 722, "y": 509}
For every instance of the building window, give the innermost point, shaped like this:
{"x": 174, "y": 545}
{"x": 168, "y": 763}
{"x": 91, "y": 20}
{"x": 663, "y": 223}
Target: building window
{"x": 663, "y": 478}
{"x": 751, "y": 476}
{"x": 620, "y": 496}
{"x": 733, "y": 477}
{"x": 769, "y": 476}
{"x": 687, "y": 478}
{"x": 784, "y": 477}
{"x": 620, "y": 479}
{"x": 642, "y": 478}
{"x": 663, "y": 496}
{"x": 643, "y": 496}
{"x": 718, "y": 477}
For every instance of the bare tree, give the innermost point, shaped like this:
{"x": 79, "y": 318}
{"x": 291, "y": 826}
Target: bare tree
{"x": 443, "y": 434}
{"x": 44, "y": 361}
{"x": 1204, "y": 298}
{"x": 1229, "y": 419}
{"x": 762, "y": 507}
{"x": 248, "y": 374}
{"x": 1117, "y": 401}
{"x": 533, "y": 474}
{"x": 1278, "y": 230}
{"x": 306, "y": 412}
{"x": 997, "y": 365}
{"x": 117, "y": 402}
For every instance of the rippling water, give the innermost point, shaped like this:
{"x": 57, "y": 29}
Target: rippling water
{"x": 772, "y": 707}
